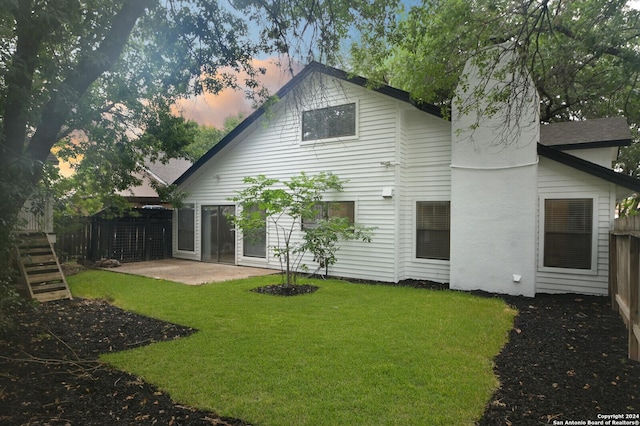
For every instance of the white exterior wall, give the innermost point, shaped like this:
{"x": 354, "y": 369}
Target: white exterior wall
{"x": 426, "y": 176}
{"x": 556, "y": 180}
{"x": 493, "y": 193}
{"x": 274, "y": 148}
{"x": 601, "y": 156}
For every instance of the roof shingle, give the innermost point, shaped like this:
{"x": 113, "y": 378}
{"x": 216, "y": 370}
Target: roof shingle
{"x": 601, "y": 132}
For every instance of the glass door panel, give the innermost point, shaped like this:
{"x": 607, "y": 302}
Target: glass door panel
{"x": 226, "y": 235}
{"x": 218, "y": 234}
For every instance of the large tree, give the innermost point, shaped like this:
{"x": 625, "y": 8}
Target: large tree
{"x": 207, "y": 136}
{"x": 583, "y": 55}
{"x": 93, "y": 75}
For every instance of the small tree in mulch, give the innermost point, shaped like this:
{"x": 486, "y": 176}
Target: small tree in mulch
{"x": 286, "y": 205}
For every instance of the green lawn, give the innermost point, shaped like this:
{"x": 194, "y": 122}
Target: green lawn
{"x": 347, "y": 354}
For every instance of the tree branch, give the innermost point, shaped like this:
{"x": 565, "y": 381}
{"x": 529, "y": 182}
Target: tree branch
{"x": 91, "y": 66}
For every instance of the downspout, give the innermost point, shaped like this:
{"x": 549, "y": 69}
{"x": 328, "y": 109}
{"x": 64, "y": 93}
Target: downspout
{"x": 399, "y": 193}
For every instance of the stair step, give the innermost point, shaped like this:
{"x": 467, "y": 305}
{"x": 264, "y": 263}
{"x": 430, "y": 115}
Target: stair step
{"x": 52, "y": 295}
{"x": 47, "y": 277}
{"x": 38, "y": 259}
{"x": 41, "y": 272}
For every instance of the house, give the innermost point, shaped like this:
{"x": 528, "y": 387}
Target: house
{"x": 144, "y": 231}
{"x": 154, "y": 173}
{"x": 527, "y": 215}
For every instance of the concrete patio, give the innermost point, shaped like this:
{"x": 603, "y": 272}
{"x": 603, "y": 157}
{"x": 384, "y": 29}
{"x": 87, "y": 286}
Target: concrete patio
{"x": 190, "y": 272}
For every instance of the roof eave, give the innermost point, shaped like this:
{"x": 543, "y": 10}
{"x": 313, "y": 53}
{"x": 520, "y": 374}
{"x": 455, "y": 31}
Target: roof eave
{"x": 591, "y": 145}
{"x": 297, "y": 79}
{"x": 590, "y": 168}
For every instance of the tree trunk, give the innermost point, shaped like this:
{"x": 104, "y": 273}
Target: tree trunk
{"x": 21, "y": 163}
{"x": 288, "y": 269}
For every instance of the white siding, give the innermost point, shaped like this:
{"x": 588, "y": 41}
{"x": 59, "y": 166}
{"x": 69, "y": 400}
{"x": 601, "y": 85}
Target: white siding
{"x": 601, "y": 156}
{"x": 556, "y": 180}
{"x": 274, "y": 148}
{"x": 426, "y": 176}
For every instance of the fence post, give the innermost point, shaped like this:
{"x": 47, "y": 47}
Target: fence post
{"x": 613, "y": 270}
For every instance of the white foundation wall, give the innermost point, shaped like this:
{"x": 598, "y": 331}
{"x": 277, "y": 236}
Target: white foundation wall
{"x": 274, "y": 148}
{"x": 494, "y": 191}
{"x": 493, "y": 230}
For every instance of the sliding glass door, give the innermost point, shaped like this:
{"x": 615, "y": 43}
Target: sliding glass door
{"x": 218, "y": 234}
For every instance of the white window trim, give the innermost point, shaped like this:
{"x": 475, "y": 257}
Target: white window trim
{"x": 195, "y": 226}
{"x": 594, "y": 233}
{"x": 340, "y": 200}
{"x": 240, "y": 244}
{"x": 414, "y": 234}
{"x": 336, "y": 139}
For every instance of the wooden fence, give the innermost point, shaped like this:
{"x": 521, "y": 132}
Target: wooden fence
{"x": 73, "y": 239}
{"x": 141, "y": 235}
{"x": 624, "y": 276}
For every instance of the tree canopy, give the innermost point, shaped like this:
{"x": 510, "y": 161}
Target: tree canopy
{"x": 93, "y": 76}
{"x": 583, "y": 55}
{"x": 207, "y": 136}
{"x": 285, "y": 206}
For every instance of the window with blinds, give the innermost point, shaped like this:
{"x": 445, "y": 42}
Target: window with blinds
{"x": 568, "y": 230}
{"x": 433, "y": 219}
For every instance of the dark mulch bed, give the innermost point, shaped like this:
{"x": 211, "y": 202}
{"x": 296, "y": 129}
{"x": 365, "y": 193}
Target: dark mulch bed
{"x": 49, "y": 373}
{"x": 286, "y": 290}
{"x": 566, "y": 360}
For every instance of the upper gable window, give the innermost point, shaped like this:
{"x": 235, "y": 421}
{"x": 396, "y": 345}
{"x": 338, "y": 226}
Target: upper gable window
{"x": 331, "y": 122}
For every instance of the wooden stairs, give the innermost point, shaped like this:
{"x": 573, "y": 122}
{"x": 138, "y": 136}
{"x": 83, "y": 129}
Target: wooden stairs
{"x": 41, "y": 275}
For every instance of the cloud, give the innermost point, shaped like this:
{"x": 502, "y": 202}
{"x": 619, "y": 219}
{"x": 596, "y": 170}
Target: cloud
{"x": 211, "y": 110}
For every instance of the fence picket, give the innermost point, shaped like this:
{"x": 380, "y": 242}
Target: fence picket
{"x": 624, "y": 277}
{"x": 145, "y": 235}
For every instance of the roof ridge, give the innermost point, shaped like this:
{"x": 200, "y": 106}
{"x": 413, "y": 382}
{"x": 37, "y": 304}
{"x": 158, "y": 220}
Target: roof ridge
{"x": 313, "y": 66}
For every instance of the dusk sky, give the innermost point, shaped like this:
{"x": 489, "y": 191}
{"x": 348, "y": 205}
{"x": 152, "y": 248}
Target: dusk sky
{"x": 211, "y": 110}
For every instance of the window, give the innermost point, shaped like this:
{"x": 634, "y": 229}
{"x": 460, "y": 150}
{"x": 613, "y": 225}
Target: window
{"x": 327, "y": 210}
{"x": 331, "y": 122}
{"x": 186, "y": 227}
{"x": 568, "y": 228}
{"x": 433, "y": 220}
{"x": 254, "y": 243}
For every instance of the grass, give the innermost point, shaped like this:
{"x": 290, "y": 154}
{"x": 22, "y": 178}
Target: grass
{"x": 347, "y": 354}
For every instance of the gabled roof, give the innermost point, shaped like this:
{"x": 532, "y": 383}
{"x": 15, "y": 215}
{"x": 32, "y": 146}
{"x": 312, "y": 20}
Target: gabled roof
{"x": 295, "y": 81}
{"x": 589, "y": 167}
{"x": 596, "y": 133}
{"x": 167, "y": 172}
{"x": 554, "y": 138}
{"x": 161, "y": 173}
